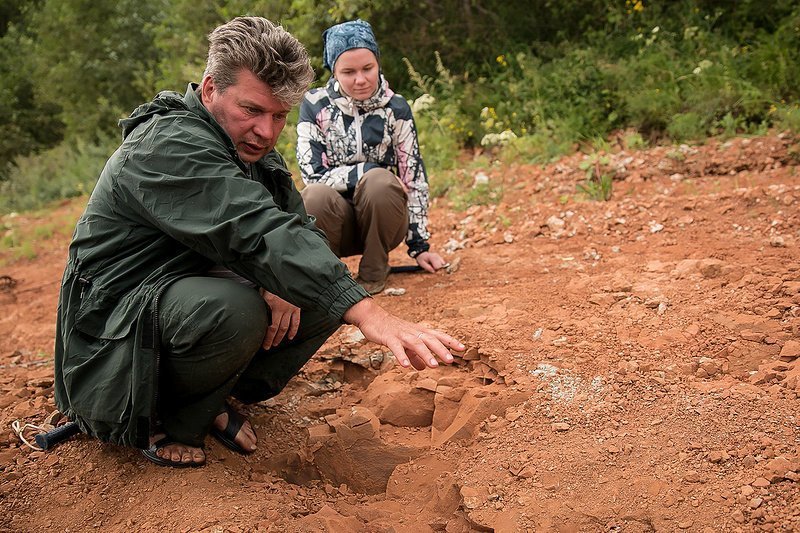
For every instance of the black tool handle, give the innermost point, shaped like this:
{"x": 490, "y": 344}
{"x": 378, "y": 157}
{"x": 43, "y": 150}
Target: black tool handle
{"x": 47, "y": 440}
{"x": 397, "y": 269}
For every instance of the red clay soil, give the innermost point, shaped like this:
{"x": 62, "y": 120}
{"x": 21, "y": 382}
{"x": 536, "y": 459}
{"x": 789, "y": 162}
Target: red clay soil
{"x": 632, "y": 366}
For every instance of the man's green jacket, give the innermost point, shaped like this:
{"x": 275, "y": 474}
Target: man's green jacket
{"x": 172, "y": 201}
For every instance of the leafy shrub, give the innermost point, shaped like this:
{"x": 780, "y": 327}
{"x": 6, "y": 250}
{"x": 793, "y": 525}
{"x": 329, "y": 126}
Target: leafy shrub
{"x": 439, "y": 148}
{"x": 687, "y": 126}
{"x": 65, "y": 171}
{"x": 665, "y": 71}
{"x": 788, "y": 117}
{"x": 451, "y": 100}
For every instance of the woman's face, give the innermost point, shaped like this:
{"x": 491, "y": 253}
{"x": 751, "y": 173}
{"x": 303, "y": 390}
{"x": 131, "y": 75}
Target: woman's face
{"x": 357, "y": 73}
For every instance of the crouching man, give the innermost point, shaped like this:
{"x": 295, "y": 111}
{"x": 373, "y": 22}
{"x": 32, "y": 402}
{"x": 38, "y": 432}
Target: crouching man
{"x": 195, "y": 274}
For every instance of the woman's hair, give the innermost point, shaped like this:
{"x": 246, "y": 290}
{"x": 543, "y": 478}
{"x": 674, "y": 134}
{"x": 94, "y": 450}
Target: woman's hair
{"x": 271, "y": 53}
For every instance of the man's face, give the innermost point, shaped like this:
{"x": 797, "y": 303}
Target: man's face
{"x": 249, "y": 114}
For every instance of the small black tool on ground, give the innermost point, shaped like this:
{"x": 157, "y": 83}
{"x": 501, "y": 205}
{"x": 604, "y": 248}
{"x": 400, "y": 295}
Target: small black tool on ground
{"x": 398, "y": 269}
{"x": 49, "y": 439}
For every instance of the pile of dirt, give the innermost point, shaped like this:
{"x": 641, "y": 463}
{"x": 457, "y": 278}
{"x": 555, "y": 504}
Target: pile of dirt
{"x": 632, "y": 366}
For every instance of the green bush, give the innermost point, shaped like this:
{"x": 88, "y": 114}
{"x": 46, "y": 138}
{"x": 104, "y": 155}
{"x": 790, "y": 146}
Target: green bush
{"x": 788, "y": 117}
{"x": 65, "y": 171}
{"x": 439, "y": 147}
{"x": 684, "y": 81}
{"x": 512, "y": 82}
{"x": 687, "y": 126}
{"x": 451, "y": 104}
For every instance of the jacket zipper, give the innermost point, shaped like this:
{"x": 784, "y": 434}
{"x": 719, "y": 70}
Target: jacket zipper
{"x": 85, "y": 282}
{"x": 157, "y": 353}
{"x": 357, "y": 123}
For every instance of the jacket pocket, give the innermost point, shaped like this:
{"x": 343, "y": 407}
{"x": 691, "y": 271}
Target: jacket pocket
{"x": 98, "y": 378}
{"x": 103, "y": 315}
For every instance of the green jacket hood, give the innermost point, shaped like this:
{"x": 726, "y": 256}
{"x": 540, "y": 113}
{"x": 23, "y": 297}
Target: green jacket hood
{"x": 164, "y": 102}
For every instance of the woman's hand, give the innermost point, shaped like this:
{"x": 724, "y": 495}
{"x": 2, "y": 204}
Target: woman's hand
{"x": 431, "y": 261}
{"x": 411, "y": 344}
{"x": 284, "y": 321}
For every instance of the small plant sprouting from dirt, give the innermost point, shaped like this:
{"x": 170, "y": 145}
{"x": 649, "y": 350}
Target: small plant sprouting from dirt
{"x": 599, "y": 181}
{"x": 794, "y": 152}
{"x": 633, "y": 140}
{"x": 676, "y": 155}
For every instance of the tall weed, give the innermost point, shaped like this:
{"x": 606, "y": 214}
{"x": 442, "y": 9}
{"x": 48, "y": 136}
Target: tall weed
{"x": 598, "y": 184}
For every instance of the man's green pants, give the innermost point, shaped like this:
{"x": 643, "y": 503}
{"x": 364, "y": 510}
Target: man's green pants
{"x": 211, "y": 334}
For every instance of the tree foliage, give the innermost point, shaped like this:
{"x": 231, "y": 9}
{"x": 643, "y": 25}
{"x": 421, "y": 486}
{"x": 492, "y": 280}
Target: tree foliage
{"x": 91, "y": 57}
{"x": 69, "y": 69}
{"x": 28, "y": 121}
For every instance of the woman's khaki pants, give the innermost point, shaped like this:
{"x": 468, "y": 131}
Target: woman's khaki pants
{"x": 372, "y": 224}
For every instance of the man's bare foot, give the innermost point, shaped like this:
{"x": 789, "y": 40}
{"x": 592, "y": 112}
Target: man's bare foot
{"x": 177, "y": 452}
{"x": 245, "y": 438}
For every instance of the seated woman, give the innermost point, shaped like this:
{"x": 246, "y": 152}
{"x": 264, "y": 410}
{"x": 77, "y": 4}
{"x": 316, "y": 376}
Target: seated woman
{"x": 359, "y": 157}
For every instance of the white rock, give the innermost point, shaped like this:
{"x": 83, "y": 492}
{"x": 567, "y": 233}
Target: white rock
{"x": 452, "y": 245}
{"x": 776, "y": 241}
{"x": 481, "y": 178}
{"x": 555, "y": 224}
{"x": 392, "y": 291}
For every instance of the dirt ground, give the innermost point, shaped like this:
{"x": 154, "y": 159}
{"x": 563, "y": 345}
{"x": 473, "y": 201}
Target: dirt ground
{"x": 632, "y": 366}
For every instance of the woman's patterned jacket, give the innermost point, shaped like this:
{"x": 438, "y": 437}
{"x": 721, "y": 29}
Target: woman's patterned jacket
{"x": 339, "y": 139}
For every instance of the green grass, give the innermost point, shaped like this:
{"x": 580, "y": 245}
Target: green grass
{"x": 597, "y": 188}
{"x": 23, "y": 237}
{"x": 598, "y": 185}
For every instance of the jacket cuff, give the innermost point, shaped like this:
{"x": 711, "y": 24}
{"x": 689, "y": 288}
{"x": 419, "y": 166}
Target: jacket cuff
{"x": 341, "y": 296}
{"x": 416, "y": 248}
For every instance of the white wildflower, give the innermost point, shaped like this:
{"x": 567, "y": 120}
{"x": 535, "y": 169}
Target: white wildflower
{"x": 422, "y": 103}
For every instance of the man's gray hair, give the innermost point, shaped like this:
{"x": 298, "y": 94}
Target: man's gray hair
{"x": 274, "y": 55}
